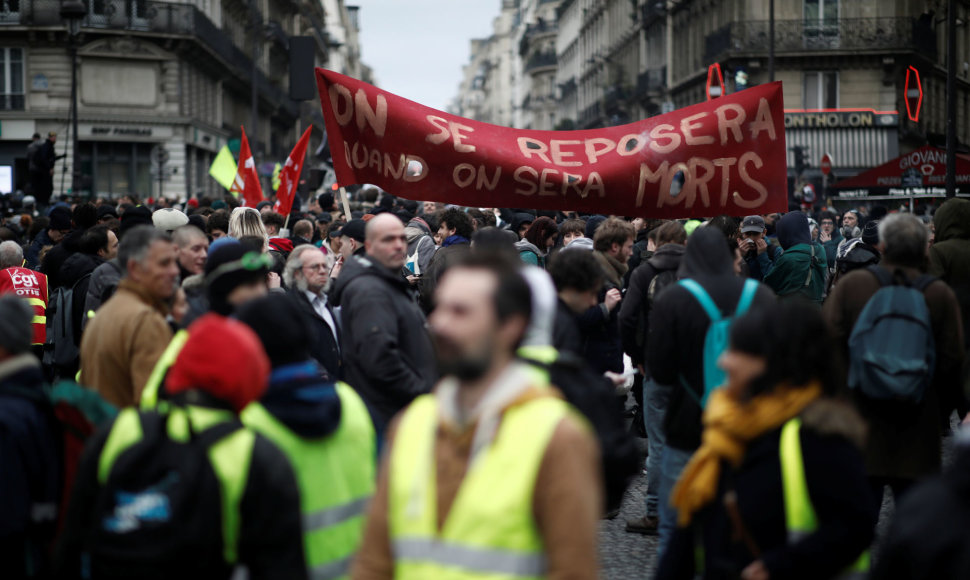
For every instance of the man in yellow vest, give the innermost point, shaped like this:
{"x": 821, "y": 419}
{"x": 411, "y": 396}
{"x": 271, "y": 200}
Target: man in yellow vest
{"x": 322, "y": 427}
{"x": 491, "y": 475}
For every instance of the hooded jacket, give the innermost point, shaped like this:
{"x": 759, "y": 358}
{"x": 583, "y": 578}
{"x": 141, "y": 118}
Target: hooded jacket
{"x": 800, "y": 270}
{"x": 420, "y": 242}
{"x": 950, "y": 254}
{"x": 388, "y": 356}
{"x": 635, "y": 311}
{"x": 678, "y": 328}
{"x": 301, "y": 400}
{"x": 529, "y": 253}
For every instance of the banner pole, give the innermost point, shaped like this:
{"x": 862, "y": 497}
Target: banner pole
{"x": 346, "y": 204}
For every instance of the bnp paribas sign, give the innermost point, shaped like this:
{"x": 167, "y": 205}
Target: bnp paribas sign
{"x": 840, "y": 119}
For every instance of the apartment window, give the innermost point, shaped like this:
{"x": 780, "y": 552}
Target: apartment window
{"x": 821, "y": 23}
{"x": 11, "y": 79}
{"x": 821, "y": 90}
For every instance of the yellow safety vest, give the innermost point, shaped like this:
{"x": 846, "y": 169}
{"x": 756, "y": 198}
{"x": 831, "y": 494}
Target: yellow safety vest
{"x": 800, "y": 518}
{"x": 336, "y": 475}
{"x": 490, "y": 531}
{"x": 149, "y": 395}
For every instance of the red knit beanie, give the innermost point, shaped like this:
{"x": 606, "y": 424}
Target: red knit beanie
{"x": 222, "y": 357}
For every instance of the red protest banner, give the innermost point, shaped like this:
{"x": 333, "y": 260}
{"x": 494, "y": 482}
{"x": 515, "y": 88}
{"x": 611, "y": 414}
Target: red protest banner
{"x": 727, "y": 156}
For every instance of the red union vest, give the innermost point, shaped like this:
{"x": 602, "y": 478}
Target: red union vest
{"x": 31, "y": 286}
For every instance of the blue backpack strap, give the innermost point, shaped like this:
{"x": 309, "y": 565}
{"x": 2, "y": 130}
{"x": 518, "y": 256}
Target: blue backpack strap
{"x": 747, "y": 296}
{"x": 921, "y": 283}
{"x": 883, "y": 275}
{"x": 713, "y": 312}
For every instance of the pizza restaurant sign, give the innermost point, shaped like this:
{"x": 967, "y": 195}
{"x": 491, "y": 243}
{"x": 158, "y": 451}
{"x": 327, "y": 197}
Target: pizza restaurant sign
{"x": 839, "y": 120}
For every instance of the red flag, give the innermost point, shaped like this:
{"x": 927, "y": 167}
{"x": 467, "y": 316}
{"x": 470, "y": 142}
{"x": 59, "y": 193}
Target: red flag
{"x": 290, "y": 175}
{"x": 247, "y": 182}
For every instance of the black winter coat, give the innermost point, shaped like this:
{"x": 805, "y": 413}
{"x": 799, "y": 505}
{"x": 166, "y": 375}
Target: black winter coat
{"x": 387, "y": 352}
{"x": 635, "y": 311}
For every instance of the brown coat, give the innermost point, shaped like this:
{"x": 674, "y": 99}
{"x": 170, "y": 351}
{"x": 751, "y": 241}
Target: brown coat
{"x": 906, "y": 446}
{"x": 121, "y": 345}
{"x": 567, "y": 504}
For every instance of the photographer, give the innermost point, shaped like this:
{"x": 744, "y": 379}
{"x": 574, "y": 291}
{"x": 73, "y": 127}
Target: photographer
{"x": 758, "y": 254}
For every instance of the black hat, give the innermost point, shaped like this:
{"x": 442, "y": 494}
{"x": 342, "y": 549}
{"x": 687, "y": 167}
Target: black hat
{"x": 266, "y": 316}
{"x": 107, "y": 210}
{"x": 325, "y": 200}
{"x": 355, "y": 229}
{"x": 754, "y": 224}
{"x": 870, "y": 233}
{"x": 135, "y": 216}
{"x": 324, "y": 218}
{"x": 60, "y": 219}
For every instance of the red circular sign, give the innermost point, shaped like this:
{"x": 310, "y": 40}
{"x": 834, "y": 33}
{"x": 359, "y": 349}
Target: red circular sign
{"x": 826, "y": 164}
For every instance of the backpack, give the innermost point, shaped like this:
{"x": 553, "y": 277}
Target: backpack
{"x": 594, "y": 397}
{"x": 718, "y": 333}
{"x": 157, "y": 513}
{"x": 659, "y": 281}
{"x": 62, "y": 349}
{"x": 892, "y": 352}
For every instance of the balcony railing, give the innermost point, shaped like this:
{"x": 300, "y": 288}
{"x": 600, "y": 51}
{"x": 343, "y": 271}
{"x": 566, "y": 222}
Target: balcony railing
{"x": 150, "y": 16}
{"x": 812, "y": 35}
{"x": 540, "y": 60}
{"x": 615, "y": 97}
{"x": 651, "y": 82}
{"x": 590, "y": 116}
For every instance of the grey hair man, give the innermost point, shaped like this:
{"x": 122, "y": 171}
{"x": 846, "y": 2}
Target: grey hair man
{"x": 904, "y": 445}
{"x": 306, "y": 275}
{"x": 121, "y": 345}
{"x": 11, "y": 255}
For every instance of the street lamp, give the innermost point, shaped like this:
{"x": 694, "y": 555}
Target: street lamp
{"x": 72, "y": 11}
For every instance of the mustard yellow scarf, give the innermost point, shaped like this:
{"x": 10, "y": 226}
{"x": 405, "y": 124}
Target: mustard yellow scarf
{"x": 728, "y": 427}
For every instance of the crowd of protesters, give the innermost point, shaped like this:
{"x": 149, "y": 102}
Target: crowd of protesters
{"x": 373, "y": 393}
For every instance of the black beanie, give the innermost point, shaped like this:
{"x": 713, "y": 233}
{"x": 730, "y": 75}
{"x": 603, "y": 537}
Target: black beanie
{"x": 135, "y": 216}
{"x": 279, "y": 324}
{"x": 220, "y": 284}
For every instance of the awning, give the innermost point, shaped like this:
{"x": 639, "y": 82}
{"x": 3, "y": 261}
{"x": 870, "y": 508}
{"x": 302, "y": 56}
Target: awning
{"x": 921, "y": 173}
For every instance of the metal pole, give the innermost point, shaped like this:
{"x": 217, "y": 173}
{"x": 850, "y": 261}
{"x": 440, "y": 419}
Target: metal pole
{"x": 951, "y": 99}
{"x": 75, "y": 159}
{"x": 254, "y": 113}
{"x": 771, "y": 41}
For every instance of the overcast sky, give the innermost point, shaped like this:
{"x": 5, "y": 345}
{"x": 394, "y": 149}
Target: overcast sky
{"x": 417, "y": 47}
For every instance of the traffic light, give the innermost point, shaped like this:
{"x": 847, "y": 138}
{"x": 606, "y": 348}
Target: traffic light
{"x": 801, "y": 163}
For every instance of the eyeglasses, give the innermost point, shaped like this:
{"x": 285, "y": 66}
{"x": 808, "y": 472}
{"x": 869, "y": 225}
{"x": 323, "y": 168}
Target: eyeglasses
{"x": 320, "y": 266}
{"x": 251, "y": 261}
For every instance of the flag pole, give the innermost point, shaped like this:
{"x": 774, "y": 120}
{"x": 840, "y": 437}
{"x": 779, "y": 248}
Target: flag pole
{"x": 346, "y": 204}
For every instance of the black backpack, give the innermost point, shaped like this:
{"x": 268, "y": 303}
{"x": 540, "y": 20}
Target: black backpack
{"x": 593, "y": 396}
{"x": 157, "y": 512}
{"x": 62, "y": 348}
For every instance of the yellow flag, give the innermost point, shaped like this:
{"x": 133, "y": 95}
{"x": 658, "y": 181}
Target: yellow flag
{"x": 223, "y": 168}
{"x": 276, "y": 176}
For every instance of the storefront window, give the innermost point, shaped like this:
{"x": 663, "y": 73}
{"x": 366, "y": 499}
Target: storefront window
{"x": 116, "y": 169}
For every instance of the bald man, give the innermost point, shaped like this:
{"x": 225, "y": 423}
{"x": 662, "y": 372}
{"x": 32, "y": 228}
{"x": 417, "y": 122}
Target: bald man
{"x": 387, "y": 353}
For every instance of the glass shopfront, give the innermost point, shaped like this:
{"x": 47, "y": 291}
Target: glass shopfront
{"x": 113, "y": 169}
